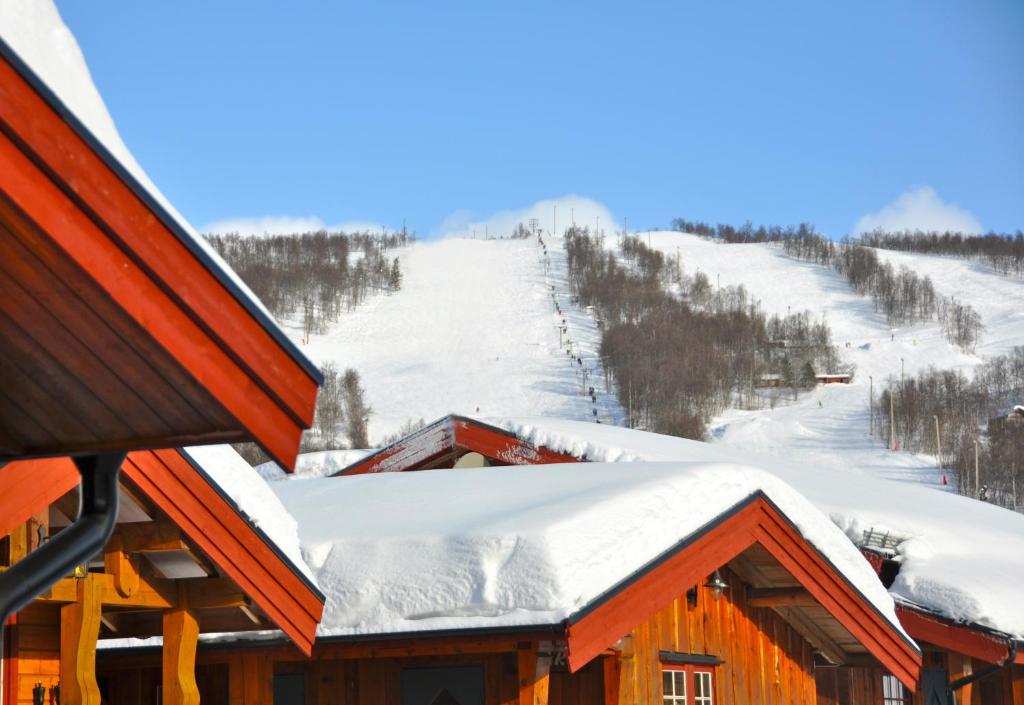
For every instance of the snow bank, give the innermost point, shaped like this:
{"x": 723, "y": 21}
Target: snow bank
{"x": 318, "y": 464}
{"x": 36, "y": 33}
{"x": 519, "y": 546}
{"x": 962, "y": 558}
{"x": 253, "y": 497}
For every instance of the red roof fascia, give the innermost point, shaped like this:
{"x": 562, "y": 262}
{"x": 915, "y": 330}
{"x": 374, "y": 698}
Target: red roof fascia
{"x": 756, "y": 520}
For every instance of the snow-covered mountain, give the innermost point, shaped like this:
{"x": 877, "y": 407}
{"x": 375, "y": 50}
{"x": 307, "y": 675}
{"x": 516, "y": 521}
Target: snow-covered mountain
{"x": 475, "y": 330}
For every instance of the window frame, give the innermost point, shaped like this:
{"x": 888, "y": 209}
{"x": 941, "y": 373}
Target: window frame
{"x": 691, "y": 669}
{"x": 901, "y": 696}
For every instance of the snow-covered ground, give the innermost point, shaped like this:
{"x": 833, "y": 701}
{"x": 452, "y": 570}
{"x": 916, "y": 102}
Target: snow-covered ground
{"x": 473, "y": 330}
{"x": 828, "y": 427}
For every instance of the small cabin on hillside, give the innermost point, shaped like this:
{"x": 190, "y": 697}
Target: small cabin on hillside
{"x": 577, "y": 584}
{"x": 832, "y": 378}
{"x": 1010, "y": 420}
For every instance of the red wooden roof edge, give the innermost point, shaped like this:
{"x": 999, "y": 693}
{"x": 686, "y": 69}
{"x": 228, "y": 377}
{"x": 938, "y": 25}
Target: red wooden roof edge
{"x": 206, "y": 516}
{"x": 754, "y": 520}
{"x": 69, "y": 184}
{"x": 970, "y": 639}
{"x": 446, "y": 434}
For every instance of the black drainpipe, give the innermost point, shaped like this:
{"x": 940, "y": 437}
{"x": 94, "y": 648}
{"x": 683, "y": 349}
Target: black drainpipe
{"x": 983, "y": 673}
{"x": 78, "y": 543}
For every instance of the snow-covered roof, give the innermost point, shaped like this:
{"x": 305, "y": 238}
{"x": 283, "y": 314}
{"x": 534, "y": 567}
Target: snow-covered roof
{"x": 963, "y": 559}
{"x": 34, "y": 32}
{"x": 254, "y": 499}
{"x": 521, "y": 546}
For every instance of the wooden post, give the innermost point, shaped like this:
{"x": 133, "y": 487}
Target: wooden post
{"x": 119, "y": 564}
{"x": 960, "y": 667}
{"x": 79, "y": 631}
{"x": 534, "y": 677}
{"x": 612, "y": 678}
{"x": 181, "y": 637}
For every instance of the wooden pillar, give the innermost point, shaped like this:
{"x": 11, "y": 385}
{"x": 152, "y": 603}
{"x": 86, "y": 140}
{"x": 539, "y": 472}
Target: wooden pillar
{"x": 612, "y": 678}
{"x": 960, "y": 667}
{"x": 79, "y": 630}
{"x": 1017, "y": 685}
{"x": 181, "y": 637}
{"x": 534, "y": 677}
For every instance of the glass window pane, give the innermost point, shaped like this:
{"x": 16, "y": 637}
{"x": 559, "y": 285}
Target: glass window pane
{"x": 666, "y": 682}
{"x": 680, "y": 683}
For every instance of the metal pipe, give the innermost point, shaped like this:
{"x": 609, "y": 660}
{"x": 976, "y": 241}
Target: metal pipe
{"x": 97, "y": 514}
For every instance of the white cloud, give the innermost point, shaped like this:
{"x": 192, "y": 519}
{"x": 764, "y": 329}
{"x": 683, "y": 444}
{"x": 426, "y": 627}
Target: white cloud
{"x": 283, "y": 225}
{"x": 567, "y": 209}
{"x": 919, "y": 209}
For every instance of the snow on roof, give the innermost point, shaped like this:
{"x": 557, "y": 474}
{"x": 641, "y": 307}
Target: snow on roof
{"x": 254, "y": 499}
{"x": 316, "y": 464}
{"x": 519, "y": 546}
{"x": 33, "y": 29}
{"x": 964, "y": 559}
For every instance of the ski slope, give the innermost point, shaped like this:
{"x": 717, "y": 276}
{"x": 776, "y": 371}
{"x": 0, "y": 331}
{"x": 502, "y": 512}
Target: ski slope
{"x": 828, "y": 427}
{"x": 473, "y": 330}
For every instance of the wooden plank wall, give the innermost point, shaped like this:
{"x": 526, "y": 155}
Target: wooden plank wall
{"x": 766, "y": 661}
{"x": 37, "y": 647}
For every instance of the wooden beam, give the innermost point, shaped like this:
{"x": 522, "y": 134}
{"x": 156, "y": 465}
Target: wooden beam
{"x": 960, "y": 666}
{"x": 181, "y": 637}
{"x": 150, "y": 537}
{"x": 534, "y": 677}
{"x": 79, "y": 630}
{"x": 810, "y": 630}
{"x": 151, "y": 593}
{"x": 780, "y": 597}
{"x": 213, "y": 593}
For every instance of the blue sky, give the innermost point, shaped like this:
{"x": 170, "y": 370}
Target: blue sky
{"x": 379, "y": 111}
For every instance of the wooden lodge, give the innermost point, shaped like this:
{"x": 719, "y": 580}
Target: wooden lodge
{"x": 121, "y": 334}
{"x": 739, "y": 612}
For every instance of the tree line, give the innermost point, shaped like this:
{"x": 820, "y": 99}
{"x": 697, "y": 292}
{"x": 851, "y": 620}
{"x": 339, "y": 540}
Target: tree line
{"x": 313, "y": 277}
{"x": 944, "y": 413}
{"x": 1003, "y": 252}
{"x": 678, "y": 351}
{"x": 900, "y": 294}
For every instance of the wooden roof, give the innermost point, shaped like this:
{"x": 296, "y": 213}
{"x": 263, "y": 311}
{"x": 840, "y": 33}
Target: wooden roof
{"x": 208, "y": 519}
{"x": 443, "y": 442}
{"x": 117, "y": 330}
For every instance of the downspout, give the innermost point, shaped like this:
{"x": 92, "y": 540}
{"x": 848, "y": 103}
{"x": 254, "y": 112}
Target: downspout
{"x": 55, "y": 559}
{"x": 983, "y": 673}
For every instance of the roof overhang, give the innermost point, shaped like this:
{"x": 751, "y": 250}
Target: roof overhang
{"x": 442, "y": 442}
{"x": 971, "y": 640}
{"x": 755, "y": 521}
{"x": 207, "y": 518}
{"x": 119, "y": 331}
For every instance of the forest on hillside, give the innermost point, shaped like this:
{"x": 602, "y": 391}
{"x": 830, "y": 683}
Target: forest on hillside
{"x": 903, "y": 296}
{"x": 964, "y": 423}
{"x": 1003, "y": 252}
{"x": 313, "y": 277}
{"x": 678, "y": 350}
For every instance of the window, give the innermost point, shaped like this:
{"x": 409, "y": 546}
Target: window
{"x": 893, "y": 692}
{"x": 688, "y": 684}
{"x": 702, "y": 688}
{"x": 674, "y": 687}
